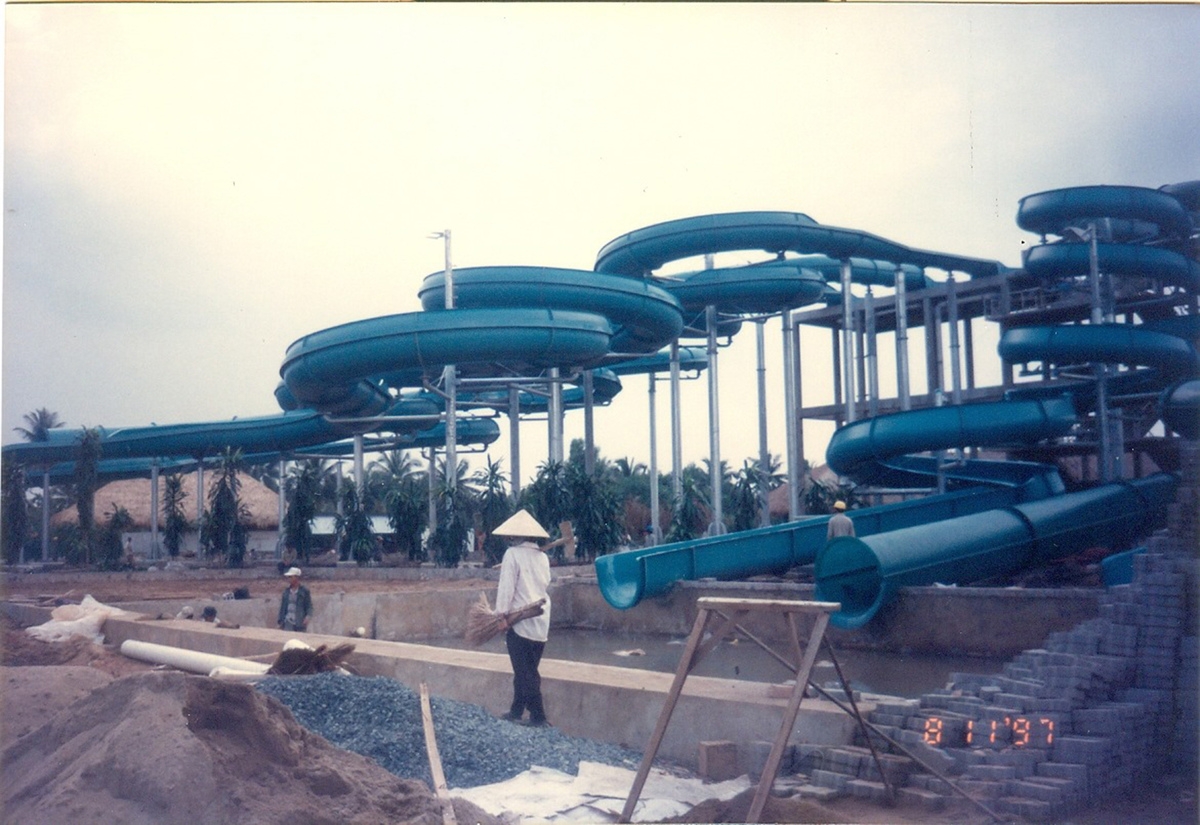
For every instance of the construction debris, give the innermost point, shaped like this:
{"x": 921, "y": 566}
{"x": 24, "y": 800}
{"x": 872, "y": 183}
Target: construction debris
{"x": 304, "y": 660}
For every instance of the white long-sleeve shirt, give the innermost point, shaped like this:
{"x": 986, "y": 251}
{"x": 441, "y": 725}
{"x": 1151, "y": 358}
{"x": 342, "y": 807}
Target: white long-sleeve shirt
{"x": 524, "y": 578}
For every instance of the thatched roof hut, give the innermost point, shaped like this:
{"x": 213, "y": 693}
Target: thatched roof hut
{"x": 779, "y": 499}
{"x": 134, "y": 495}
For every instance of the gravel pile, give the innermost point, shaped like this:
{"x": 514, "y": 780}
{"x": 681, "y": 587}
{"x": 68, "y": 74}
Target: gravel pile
{"x": 380, "y": 718}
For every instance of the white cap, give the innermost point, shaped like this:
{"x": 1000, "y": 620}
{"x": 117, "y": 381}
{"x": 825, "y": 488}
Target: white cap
{"x": 522, "y": 525}
{"x": 292, "y": 571}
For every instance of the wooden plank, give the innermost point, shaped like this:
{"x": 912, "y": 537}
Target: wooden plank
{"x": 664, "y": 717}
{"x": 435, "y": 760}
{"x": 771, "y": 768}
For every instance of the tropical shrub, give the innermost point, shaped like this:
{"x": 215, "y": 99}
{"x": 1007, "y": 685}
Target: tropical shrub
{"x": 175, "y": 523}
{"x": 355, "y": 538}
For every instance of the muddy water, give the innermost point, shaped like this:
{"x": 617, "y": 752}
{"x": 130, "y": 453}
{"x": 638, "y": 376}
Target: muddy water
{"x": 893, "y": 674}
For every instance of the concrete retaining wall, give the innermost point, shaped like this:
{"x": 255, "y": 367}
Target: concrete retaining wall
{"x": 970, "y": 621}
{"x": 608, "y": 704}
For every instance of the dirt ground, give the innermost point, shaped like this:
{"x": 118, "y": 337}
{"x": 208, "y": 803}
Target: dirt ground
{"x": 134, "y": 587}
{"x": 39, "y": 680}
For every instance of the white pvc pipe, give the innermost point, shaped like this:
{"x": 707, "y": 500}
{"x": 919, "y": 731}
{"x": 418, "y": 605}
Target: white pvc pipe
{"x": 190, "y": 660}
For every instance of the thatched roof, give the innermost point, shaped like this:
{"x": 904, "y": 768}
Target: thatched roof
{"x": 779, "y": 499}
{"x": 134, "y": 495}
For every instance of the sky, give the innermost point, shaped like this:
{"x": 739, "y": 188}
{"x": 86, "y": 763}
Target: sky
{"x": 190, "y": 188}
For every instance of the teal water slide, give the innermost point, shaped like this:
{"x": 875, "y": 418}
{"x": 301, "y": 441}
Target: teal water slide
{"x": 1146, "y": 236}
{"x": 1006, "y": 514}
{"x": 366, "y": 376}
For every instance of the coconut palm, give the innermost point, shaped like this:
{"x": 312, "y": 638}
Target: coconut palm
{"x": 40, "y": 422}
{"x": 384, "y": 474}
{"x": 266, "y": 472}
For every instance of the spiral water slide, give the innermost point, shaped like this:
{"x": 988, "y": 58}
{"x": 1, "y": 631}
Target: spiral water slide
{"x": 361, "y": 377}
{"x": 626, "y": 578}
{"x": 1147, "y": 236}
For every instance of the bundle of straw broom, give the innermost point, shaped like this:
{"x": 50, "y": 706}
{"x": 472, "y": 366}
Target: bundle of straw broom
{"x": 483, "y": 623}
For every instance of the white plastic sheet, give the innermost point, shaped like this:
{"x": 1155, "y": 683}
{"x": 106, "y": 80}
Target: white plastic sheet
{"x": 596, "y": 794}
{"x": 84, "y": 620}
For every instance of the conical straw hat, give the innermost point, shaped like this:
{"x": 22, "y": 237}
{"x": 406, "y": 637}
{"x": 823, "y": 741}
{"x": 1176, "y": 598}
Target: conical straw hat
{"x": 522, "y": 525}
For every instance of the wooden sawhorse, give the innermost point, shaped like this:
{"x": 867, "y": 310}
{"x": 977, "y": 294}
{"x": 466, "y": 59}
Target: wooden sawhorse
{"x": 728, "y": 613}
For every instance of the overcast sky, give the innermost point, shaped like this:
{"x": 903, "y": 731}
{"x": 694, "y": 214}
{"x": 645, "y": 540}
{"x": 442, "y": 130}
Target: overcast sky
{"x": 190, "y": 188}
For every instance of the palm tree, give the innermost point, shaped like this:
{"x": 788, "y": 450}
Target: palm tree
{"x": 303, "y": 490}
{"x": 547, "y": 497}
{"x": 225, "y": 526}
{"x": 746, "y": 496}
{"x": 266, "y": 472}
{"x": 41, "y": 421}
{"x": 174, "y": 520}
{"x": 692, "y": 511}
{"x": 494, "y": 507}
{"x": 453, "y": 520}
{"x": 408, "y": 513}
{"x": 628, "y": 467}
{"x": 15, "y": 512}
{"x": 384, "y": 474}
{"x": 118, "y": 521}
{"x": 596, "y": 511}
{"x": 86, "y": 479}
{"x": 354, "y": 528}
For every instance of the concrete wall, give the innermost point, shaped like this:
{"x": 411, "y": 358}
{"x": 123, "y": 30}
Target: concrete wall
{"x": 971, "y": 621}
{"x": 607, "y": 704}
{"x": 988, "y": 622}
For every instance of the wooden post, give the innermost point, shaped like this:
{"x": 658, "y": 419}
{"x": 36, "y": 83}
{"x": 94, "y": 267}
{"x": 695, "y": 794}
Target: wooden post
{"x": 435, "y": 761}
{"x": 730, "y": 611}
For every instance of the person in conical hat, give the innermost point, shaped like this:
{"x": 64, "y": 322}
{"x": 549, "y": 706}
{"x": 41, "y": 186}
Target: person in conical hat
{"x": 521, "y": 525}
{"x": 525, "y": 578}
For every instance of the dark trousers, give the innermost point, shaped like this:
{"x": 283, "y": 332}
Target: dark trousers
{"x": 525, "y": 656}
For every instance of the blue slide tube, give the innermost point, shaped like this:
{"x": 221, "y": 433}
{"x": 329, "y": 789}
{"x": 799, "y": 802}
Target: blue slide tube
{"x": 864, "y": 449}
{"x": 644, "y": 316}
{"x": 645, "y": 250}
{"x": 761, "y": 288}
{"x": 862, "y": 573}
{"x": 628, "y": 577}
{"x": 883, "y": 450}
{"x": 1048, "y": 213}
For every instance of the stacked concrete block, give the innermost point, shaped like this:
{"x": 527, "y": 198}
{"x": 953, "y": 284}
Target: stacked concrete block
{"x": 1063, "y": 725}
{"x": 1087, "y": 716}
{"x": 1187, "y": 704}
{"x": 718, "y": 761}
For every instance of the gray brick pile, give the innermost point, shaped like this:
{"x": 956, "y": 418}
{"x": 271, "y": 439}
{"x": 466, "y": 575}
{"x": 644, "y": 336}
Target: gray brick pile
{"x": 1094, "y": 711}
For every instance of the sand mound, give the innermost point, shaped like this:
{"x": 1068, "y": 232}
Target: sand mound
{"x": 163, "y": 747}
{"x": 791, "y": 810}
{"x": 32, "y": 696}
